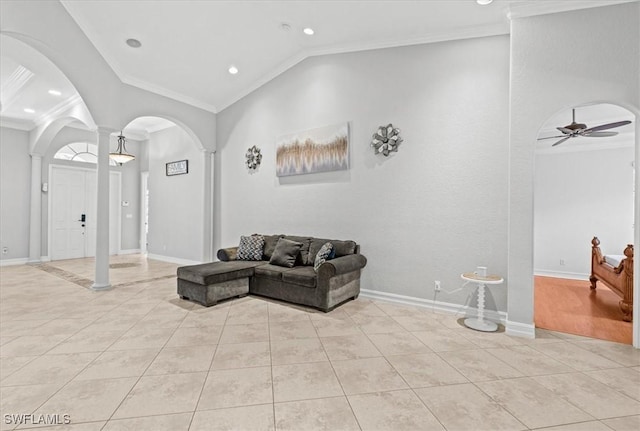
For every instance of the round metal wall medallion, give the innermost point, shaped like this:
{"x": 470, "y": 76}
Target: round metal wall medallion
{"x": 386, "y": 140}
{"x": 254, "y": 157}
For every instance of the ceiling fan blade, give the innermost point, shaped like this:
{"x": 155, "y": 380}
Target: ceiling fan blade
{"x": 561, "y": 141}
{"x": 607, "y": 126}
{"x": 552, "y": 137}
{"x": 599, "y": 134}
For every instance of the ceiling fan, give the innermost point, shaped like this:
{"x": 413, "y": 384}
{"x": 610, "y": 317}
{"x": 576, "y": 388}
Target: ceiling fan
{"x": 578, "y": 129}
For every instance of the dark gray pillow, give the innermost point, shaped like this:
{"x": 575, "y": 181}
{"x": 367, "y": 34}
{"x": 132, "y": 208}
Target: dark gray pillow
{"x": 285, "y": 253}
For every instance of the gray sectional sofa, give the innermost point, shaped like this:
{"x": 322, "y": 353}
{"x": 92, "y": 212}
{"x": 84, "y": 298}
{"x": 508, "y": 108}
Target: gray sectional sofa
{"x": 330, "y": 284}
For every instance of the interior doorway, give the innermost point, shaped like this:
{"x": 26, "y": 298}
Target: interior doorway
{"x": 72, "y": 212}
{"x": 583, "y": 187}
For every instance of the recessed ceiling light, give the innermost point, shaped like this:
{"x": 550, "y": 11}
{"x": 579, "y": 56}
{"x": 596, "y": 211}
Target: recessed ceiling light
{"x": 134, "y": 43}
{"x": 233, "y": 70}
{"x": 484, "y": 2}
{"x": 55, "y": 93}
{"x": 29, "y": 110}
{"x": 308, "y": 31}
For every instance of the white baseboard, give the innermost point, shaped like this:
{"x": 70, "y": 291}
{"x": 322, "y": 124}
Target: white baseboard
{"x": 172, "y": 259}
{"x": 129, "y": 251}
{"x": 447, "y": 307}
{"x": 561, "y": 274}
{"x": 45, "y": 259}
{"x": 517, "y": 329}
{"x": 11, "y": 262}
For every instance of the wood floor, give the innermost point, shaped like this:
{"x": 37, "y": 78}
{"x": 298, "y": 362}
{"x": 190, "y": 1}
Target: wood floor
{"x": 570, "y": 306}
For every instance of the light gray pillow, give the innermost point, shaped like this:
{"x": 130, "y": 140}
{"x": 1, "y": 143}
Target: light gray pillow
{"x": 285, "y": 253}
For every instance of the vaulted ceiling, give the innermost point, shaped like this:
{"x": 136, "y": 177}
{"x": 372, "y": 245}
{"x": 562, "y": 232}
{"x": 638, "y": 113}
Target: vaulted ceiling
{"x": 188, "y": 46}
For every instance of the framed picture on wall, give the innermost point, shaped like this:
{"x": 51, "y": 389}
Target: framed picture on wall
{"x": 316, "y": 150}
{"x": 178, "y": 168}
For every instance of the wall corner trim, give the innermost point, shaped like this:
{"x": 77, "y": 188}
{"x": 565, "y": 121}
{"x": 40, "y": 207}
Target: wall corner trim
{"x": 11, "y": 262}
{"x": 129, "y": 251}
{"x": 517, "y": 329}
{"x": 172, "y": 259}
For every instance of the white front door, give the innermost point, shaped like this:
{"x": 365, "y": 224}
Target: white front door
{"x": 73, "y": 212}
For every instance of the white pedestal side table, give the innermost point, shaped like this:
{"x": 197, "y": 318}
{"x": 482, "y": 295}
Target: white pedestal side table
{"x": 480, "y": 323}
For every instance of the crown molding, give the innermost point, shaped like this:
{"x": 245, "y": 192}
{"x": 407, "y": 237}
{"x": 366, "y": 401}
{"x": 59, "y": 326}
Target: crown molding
{"x": 66, "y": 105}
{"x": 17, "y": 123}
{"x": 162, "y": 91}
{"x": 527, "y": 9}
{"x": 464, "y": 33}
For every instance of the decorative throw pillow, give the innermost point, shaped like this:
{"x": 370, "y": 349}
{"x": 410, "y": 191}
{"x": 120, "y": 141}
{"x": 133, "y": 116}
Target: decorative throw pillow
{"x": 250, "y": 247}
{"x": 325, "y": 253}
{"x": 285, "y": 253}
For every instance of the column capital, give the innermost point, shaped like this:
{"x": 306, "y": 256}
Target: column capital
{"x": 106, "y": 130}
{"x": 36, "y": 156}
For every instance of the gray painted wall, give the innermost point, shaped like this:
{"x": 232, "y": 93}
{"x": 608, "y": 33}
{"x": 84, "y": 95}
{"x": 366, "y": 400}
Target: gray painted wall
{"x": 15, "y": 183}
{"x": 435, "y": 209}
{"x": 176, "y": 204}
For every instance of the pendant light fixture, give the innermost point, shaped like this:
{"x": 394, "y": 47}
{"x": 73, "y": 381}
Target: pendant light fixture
{"x": 121, "y": 156}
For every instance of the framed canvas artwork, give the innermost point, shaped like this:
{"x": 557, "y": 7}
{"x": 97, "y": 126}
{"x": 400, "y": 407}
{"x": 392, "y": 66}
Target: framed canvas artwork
{"x": 317, "y": 150}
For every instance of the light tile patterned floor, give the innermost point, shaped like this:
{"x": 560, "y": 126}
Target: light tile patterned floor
{"x": 138, "y": 358}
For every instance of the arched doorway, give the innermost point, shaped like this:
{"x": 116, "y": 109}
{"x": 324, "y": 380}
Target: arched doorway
{"x": 583, "y": 186}
{"x": 172, "y": 209}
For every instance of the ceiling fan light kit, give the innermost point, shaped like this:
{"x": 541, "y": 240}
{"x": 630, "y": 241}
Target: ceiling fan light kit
{"x": 575, "y": 129}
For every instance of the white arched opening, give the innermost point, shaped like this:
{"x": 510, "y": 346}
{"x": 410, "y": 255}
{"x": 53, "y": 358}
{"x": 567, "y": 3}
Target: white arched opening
{"x": 583, "y": 187}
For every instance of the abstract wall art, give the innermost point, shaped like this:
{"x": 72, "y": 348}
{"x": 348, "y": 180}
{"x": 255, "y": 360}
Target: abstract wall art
{"x": 317, "y": 150}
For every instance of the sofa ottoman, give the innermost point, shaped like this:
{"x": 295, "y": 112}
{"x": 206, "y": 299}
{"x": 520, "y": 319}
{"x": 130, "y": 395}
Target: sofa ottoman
{"x": 209, "y": 283}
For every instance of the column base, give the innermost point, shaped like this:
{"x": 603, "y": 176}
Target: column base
{"x": 99, "y": 286}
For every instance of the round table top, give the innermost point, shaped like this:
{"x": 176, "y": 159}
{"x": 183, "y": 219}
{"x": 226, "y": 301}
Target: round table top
{"x": 487, "y": 279}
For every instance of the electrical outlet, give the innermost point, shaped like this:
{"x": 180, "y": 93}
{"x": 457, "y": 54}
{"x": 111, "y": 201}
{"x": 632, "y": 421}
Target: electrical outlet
{"x": 436, "y": 286}
{"x": 561, "y": 262}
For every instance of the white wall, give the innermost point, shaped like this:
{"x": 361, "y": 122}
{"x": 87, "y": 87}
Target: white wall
{"x": 176, "y": 204}
{"x": 15, "y": 192}
{"x": 130, "y": 183}
{"x": 435, "y": 209}
{"x": 579, "y": 195}
{"x": 559, "y": 61}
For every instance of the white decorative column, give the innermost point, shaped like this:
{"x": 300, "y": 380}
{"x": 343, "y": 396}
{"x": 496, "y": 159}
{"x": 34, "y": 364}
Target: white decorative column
{"x": 207, "y": 217}
{"x": 35, "y": 216}
{"x": 101, "y": 280}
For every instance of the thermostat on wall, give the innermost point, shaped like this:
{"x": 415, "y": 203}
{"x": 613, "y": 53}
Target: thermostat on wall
{"x": 45, "y": 187}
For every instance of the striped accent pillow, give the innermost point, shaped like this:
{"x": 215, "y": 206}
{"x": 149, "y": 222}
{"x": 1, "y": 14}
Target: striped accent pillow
{"x": 325, "y": 253}
{"x": 250, "y": 247}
